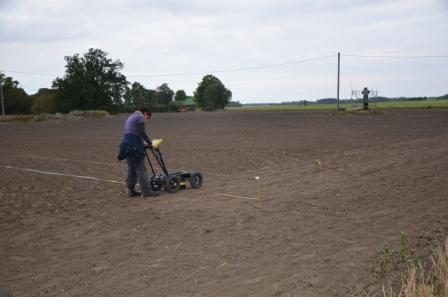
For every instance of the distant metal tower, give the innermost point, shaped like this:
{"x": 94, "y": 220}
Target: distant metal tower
{"x": 354, "y": 95}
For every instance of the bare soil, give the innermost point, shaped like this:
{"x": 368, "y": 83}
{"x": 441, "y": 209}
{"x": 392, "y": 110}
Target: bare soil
{"x": 335, "y": 191}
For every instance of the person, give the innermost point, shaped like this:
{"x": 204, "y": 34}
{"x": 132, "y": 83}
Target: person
{"x": 132, "y": 148}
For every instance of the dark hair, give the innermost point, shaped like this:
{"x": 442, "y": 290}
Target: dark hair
{"x": 145, "y": 109}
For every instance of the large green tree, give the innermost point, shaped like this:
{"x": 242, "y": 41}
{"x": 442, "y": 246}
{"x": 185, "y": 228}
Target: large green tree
{"x": 16, "y": 100}
{"x": 91, "y": 81}
{"x": 164, "y": 94}
{"x": 211, "y": 94}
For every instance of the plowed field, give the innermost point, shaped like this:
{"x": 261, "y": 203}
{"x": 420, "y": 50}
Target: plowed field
{"x": 334, "y": 190}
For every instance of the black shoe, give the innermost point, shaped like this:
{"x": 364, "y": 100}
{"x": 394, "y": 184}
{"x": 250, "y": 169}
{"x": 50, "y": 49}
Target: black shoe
{"x": 150, "y": 194}
{"x": 133, "y": 193}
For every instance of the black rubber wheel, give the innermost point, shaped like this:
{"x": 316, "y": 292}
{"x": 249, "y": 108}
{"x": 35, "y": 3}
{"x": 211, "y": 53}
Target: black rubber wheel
{"x": 156, "y": 187}
{"x": 155, "y": 184}
{"x": 172, "y": 184}
{"x": 196, "y": 180}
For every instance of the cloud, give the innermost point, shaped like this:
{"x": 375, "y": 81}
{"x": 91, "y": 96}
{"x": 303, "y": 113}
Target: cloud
{"x": 194, "y": 36}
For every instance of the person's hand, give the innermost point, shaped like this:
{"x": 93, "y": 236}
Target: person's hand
{"x": 148, "y": 145}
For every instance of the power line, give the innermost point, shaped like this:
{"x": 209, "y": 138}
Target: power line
{"x": 236, "y": 69}
{"x": 395, "y": 57}
{"x": 30, "y": 73}
{"x": 254, "y": 67}
{"x": 200, "y": 73}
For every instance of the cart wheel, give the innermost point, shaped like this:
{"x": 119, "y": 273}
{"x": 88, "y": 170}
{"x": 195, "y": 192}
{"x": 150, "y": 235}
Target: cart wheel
{"x": 155, "y": 184}
{"x": 156, "y": 187}
{"x": 172, "y": 184}
{"x": 196, "y": 180}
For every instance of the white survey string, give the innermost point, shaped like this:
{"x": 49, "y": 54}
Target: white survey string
{"x": 237, "y": 196}
{"x": 65, "y": 174}
{"x": 105, "y": 180}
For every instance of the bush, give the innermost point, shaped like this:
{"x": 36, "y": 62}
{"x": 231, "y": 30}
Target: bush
{"x": 31, "y": 118}
{"x": 43, "y": 104}
{"x": 89, "y": 113}
{"x": 421, "y": 283}
{"x": 171, "y": 107}
{"x": 390, "y": 259}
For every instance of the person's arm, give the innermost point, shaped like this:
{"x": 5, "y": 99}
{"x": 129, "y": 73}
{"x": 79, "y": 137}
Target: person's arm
{"x": 142, "y": 133}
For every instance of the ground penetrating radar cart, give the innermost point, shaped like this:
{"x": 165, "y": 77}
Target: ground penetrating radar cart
{"x": 173, "y": 181}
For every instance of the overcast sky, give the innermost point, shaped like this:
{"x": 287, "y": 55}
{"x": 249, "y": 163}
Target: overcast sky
{"x": 262, "y": 50}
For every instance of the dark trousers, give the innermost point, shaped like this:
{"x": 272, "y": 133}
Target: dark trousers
{"x": 137, "y": 171}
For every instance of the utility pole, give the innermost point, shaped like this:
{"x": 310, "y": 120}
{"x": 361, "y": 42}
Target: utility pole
{"x": 339, "y": 71}
{"x": 1, "y": 94}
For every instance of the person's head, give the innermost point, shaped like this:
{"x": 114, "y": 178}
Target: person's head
{"x": 146, "y": 112}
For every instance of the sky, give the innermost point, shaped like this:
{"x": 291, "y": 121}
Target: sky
{"x": 262, "y": 50}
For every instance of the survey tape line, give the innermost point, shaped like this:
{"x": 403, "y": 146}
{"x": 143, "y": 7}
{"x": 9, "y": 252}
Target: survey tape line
{"x": 236, "y": 196}
{"x": 104, "y": 180}
{"x": 28, "y": 155}
{"x": 65, "y": 174}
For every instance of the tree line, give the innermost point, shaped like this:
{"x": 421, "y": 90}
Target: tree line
{"x": 94, "y": 82}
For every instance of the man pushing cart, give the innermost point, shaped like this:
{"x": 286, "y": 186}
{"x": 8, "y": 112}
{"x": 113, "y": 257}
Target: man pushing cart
{"x": 134, "y": 150}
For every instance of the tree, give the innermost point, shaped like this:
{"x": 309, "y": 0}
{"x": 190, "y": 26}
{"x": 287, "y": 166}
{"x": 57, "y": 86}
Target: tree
{"x": 211, "y": 94}
{"x": 138, "y": 95}
{"x": 16, "y": 100}
{"x": 180, "y": 95}
{"x": 164, "y": 94}
{"x": 45, "y": 91}
{"x": 92, "y": 81}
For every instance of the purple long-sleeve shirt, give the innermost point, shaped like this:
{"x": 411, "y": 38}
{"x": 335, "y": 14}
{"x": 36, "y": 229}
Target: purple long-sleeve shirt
{"x": 135, "y": 124}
